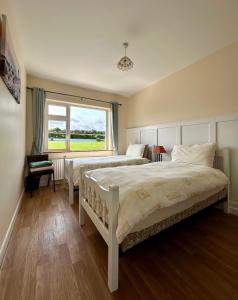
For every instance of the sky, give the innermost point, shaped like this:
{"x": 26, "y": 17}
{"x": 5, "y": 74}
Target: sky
{"x": 80, "y": 118}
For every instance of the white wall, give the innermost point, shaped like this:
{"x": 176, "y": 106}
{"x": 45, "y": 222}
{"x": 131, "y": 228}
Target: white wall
{"x": 12, "y": 140}
{"x": 204, "y": 89}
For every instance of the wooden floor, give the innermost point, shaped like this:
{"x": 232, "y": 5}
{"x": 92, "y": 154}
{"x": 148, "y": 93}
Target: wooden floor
{"x": 51, "y": 257}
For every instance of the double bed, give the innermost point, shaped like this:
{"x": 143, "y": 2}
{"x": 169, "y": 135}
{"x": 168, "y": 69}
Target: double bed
{"x": 136, "y": 155}
{"x": 131, "y": 203}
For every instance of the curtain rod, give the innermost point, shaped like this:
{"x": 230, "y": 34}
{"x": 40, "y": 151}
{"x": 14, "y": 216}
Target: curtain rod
{"x": 76, "y": 96}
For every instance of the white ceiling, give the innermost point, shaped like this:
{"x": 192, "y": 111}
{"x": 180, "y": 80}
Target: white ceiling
{"x": 79, "y": 41}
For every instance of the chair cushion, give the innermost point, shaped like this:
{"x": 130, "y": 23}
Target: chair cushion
{"x": 43, "y": 163}
{"x": 40, "y": 169}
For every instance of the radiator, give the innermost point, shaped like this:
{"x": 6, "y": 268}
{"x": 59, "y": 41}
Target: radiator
{"x": 59, "y": 168}
{"x": 59, "y": 171}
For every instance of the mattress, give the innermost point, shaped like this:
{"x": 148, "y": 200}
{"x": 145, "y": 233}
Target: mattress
{"x": 101, "y": 162}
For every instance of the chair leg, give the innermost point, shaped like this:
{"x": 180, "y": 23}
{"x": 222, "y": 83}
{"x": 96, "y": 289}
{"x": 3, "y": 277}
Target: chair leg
{"x": 49, "y": 180}
{"x": 31, "y": 186}
{"x": 54, "y": 180}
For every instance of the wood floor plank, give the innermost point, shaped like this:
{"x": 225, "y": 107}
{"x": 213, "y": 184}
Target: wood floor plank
{"x": 51, "y": 257}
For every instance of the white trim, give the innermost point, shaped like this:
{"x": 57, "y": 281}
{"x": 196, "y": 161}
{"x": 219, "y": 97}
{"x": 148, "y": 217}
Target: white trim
{"x": 96, "y": 221}
{"x": 149, "y": 127}
{"x": 213, "y": 131}
{"x": 209, "y": 122}
{"x": 224, "y": 118}
{"x": 10, "y": 229}
{"x": 196, "y": 122}
{"x": 166, "y": 125}
{"x": 66, "y": 119}
{"x": 68, "y": 177}
{"x": 233, "y": 210}
{"x": 235, "y": 205}
{"x": 221, "y": 118}
{"x": 48, "y": 118}
{"x": 89, "y": 189}
{"x": 179, "y": 134}
{"x": 71, "y": 182}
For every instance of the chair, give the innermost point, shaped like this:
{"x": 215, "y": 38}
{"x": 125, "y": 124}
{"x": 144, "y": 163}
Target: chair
{"x": 40, "y": 171}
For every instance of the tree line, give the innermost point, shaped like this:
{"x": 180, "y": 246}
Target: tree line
{"x": 77, "y": 134}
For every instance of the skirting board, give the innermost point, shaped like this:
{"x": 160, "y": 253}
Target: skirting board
{"x": 233, "y": 210}
{"x": 10, "y": 229}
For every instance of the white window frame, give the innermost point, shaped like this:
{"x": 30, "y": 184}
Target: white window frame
{"x": 67, "y": 105}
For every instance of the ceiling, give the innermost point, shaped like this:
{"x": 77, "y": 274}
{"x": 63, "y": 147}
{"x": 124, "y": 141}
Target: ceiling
{"x": 80, "y": 41}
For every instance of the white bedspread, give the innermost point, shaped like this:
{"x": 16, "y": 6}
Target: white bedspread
{"x": 146, "y": 188}
{"x": 102, "y": 162}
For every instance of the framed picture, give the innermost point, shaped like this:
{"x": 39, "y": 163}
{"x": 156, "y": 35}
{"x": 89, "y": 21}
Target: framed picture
{"x": 9, "y": 67}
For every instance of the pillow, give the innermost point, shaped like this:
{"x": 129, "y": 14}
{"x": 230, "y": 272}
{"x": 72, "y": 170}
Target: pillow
{"x": 43, "y": 163}
{"x": 202, "y": 154}
{"x": 135, "y": 150}
{"x": 146, "y": 151}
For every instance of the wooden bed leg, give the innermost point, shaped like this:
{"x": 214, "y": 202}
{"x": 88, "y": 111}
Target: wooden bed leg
{"x": 113, "y": 248}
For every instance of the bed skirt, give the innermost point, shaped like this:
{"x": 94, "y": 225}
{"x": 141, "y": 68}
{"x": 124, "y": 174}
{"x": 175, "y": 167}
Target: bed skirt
{"x": 135, "y": 238}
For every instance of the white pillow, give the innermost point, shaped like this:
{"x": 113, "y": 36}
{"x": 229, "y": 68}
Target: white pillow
{"x": 135, "y": 150}
{"x": 202, "y": 154}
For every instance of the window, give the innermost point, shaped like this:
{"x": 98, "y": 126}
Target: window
{"x": 71, "y": 127}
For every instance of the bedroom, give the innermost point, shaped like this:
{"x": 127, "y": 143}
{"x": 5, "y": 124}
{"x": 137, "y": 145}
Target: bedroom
{"x": 181, "y": 90}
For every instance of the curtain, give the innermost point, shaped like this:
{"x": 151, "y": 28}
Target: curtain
{"x": 114, "y": 119}
{"x": 38, "y": 108}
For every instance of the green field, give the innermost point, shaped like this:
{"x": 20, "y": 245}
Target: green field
{"x": 77, "y": 146}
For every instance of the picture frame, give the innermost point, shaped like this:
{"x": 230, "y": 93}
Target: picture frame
{"x": 9, "y": 67}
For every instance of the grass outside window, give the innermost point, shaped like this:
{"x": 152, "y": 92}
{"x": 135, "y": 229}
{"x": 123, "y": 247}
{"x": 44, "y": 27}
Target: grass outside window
{"x": 77, "y": 146}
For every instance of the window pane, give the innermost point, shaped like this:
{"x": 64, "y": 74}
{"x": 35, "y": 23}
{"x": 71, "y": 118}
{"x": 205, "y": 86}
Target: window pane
{"x": 56, "y": 110}
{"x": 87, "y": 129}
{"x": 56, "y": 135}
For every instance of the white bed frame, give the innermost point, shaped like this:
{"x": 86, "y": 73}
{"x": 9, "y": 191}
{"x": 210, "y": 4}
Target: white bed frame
{"x": 91, "y": 193}
{"x": 68, "y": 178}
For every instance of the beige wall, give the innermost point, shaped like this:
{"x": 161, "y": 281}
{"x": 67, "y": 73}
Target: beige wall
{"x": 12, "y": 137}
{"x": 69, "y": 89}
{"x": 206, "y": 88}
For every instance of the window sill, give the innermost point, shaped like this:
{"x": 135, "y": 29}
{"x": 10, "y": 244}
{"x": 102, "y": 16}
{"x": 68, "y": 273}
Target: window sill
{"x": 75, "y": 151}
{"x": 94, "y": 153}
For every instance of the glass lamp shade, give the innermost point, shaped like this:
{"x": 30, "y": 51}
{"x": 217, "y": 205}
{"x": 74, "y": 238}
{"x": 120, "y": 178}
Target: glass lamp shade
{"x": 125, "y": 63}
{"x": 159, "y": 149}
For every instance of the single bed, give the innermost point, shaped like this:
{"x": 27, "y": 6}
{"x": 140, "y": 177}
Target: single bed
{"x": 137, "y": 154}
{"x": 131, "y": 203}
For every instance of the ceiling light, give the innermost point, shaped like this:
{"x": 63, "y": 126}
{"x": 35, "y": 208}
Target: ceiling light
{"x": 125, "y": 63}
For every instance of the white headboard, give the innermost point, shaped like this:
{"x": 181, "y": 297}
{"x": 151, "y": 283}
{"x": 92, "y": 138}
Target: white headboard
{"x": 221, "y": 130}
{"x": 144, "y": 135}
{"x": 222, "y": 162}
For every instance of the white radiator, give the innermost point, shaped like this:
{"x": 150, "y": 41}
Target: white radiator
{"x": 59, "y": 168}
{"x": 59, "y": 172}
